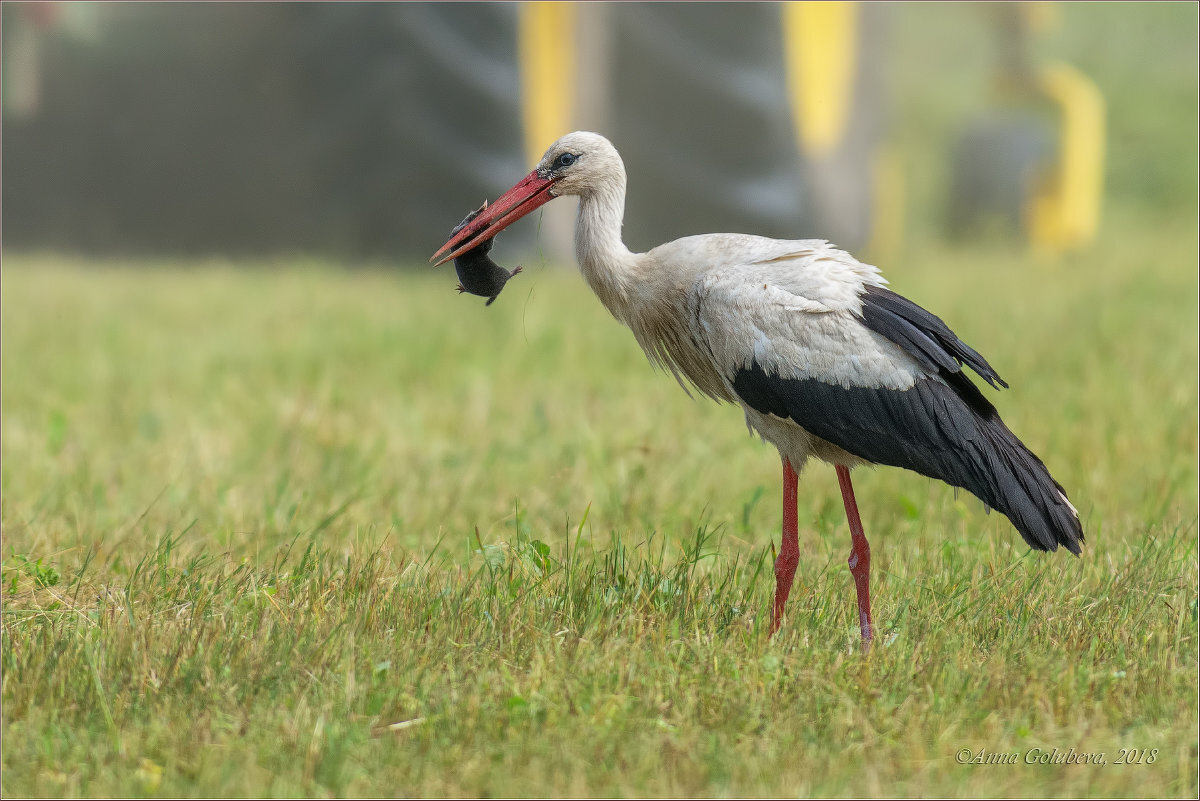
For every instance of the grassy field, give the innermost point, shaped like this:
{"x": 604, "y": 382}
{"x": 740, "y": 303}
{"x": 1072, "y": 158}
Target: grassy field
{"x": 281, "y": 529}
{"x": 295, "y": 531}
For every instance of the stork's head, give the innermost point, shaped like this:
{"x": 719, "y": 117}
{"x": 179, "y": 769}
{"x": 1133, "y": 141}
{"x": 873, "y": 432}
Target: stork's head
{"x": 580, "y": 163}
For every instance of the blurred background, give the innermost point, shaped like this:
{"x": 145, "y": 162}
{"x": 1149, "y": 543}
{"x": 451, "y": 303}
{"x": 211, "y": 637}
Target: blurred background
{"x": 367, "y": 130}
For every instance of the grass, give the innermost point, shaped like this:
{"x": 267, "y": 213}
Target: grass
{"x": 289, "y": 531}
{"x": 278, "y": 529}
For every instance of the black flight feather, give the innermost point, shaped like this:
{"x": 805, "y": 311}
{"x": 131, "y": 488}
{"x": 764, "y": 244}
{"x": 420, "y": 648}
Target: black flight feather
{"x": 922, "y": 334}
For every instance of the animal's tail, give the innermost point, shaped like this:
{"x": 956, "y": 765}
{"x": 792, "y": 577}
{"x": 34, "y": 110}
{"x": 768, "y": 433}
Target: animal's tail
{"x": 1011, "y": 478}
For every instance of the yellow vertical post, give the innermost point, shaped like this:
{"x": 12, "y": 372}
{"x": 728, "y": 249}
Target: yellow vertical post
{"x": 546, "y": 48}
{"x": 1066, "y": 210}
{"x": 821, "y": 59}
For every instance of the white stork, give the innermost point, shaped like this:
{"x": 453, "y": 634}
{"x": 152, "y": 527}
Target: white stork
{"x": 823, "y": 359}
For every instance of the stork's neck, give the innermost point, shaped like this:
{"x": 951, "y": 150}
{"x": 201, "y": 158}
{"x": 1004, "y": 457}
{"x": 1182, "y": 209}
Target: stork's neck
{"x": 608, "y": 266}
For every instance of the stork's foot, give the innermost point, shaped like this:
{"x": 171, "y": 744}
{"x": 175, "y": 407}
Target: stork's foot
{"x": 785, "y": 576}
{"x": 461, "y": 289}
{"x": 516, "y": 270}
{"x": 860, "y": 568}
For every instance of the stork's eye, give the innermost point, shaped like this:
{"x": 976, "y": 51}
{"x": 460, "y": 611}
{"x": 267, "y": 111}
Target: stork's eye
{"x": 564, "y": 160}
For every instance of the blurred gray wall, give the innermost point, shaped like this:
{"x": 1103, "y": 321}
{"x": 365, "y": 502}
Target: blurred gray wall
{"x": 369, "y": 129}
{"x": 357, "y": 129}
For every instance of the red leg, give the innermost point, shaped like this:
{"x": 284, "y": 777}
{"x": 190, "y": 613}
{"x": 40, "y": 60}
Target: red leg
{"x": 860, "y": 556}
{"x": 789, "y": 547}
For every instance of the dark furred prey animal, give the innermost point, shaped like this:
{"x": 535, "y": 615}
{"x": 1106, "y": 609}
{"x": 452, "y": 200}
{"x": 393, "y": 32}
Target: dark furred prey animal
{"x": 477, "y": 273}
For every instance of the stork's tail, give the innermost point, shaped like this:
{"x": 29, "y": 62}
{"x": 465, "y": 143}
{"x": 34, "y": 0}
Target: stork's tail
{"x": 1012, "y": 479}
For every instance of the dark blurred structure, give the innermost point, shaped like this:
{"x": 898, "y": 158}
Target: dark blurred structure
{"x": 368, "y": 129}
{"x": 712, "y": 134}
{"x": 259, "y": 127}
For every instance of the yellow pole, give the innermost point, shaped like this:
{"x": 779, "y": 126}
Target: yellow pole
{"x": 1066, "y": 212}
{"x": 546, "y": 48}
{"x": 821, "y": 58}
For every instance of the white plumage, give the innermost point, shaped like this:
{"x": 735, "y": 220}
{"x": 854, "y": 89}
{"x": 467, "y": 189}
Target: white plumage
{"x": 822, "y": 358}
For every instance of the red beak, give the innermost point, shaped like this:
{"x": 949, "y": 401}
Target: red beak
{"x": 529, "y": 193}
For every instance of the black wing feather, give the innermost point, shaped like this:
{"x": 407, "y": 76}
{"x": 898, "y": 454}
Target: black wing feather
{"x": 922, "y": 334}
